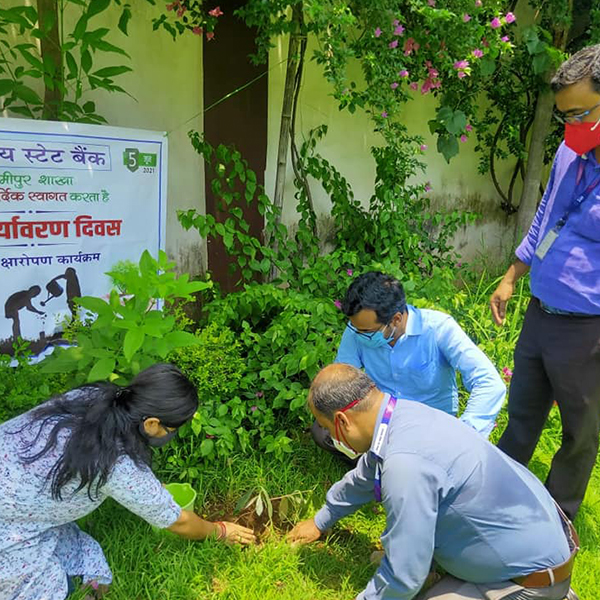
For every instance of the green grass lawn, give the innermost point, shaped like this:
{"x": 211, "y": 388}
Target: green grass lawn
{"x": 147, "y": 565}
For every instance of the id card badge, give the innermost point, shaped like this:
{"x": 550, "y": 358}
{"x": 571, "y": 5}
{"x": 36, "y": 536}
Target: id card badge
{"x": 546, "y": 244}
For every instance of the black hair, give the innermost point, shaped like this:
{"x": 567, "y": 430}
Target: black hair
{"x": 332, "y": 391}
{"x": 375, "y": 291}
{"x": 582, "y": 65}
{"x": 104, "y": 419}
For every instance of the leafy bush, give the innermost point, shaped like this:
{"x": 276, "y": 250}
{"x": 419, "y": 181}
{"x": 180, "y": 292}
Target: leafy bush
{"x": 24, "y": 386}
{"x": 130, "y": 332}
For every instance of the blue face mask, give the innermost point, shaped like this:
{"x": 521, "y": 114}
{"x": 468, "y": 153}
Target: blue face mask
{"x": 376, "y": 340}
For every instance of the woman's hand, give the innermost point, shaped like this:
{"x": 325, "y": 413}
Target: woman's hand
{"x": 232, "y": 533}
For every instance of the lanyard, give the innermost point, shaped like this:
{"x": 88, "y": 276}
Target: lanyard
{"x": 578, "y": 200}
{"x": 379, "y": 438}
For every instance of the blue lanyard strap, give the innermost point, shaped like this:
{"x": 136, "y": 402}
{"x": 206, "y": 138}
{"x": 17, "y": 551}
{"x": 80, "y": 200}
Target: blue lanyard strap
{"x": 578, "y": 200}
{"x": 379, "y": 439}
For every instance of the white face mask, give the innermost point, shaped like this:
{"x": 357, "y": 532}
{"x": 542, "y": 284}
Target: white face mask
{"x": 345, "y": 450}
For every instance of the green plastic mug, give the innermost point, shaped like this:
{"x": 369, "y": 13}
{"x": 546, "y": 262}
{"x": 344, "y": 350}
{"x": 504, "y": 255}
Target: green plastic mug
{"x": 184, "y": 494}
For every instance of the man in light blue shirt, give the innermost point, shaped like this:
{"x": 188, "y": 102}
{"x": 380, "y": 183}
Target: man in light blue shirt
{"x": 448, "y": 494}
{"x": 414, "y": 353}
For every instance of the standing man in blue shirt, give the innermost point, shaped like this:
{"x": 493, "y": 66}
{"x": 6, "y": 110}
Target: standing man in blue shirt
{"x": 414, "y": 354}
{"x": 557, "y": 357}
{"x": 449, "y": 495}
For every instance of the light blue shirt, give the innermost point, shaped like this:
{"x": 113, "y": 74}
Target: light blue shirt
{"x": 451, "y": 496}
{"x": 422, "y": 364}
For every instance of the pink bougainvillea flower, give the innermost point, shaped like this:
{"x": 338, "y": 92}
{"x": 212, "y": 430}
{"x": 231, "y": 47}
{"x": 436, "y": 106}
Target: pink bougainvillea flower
{"x": 461, "y": 74}
{"x": 394, "y": 85}
{"x": 477, "y": 53}
{"x": 399, "y": 30}
{"x": 215, "y": 12}
{"x": 485, "y": 43}
{"x": 253, "y": 408}
{"x": 393, "y": 44}
{"x": 259, "y": 394}
{"x": 431, "y": 2}
{"x": 197, "y": 30}
{"x": 505, "y": 39}
{"x": 426, "y": 87}
{"x": 463, "y": 138}
{"x": 395, "y": 22}
{"x": 338, "y": 304}
{"x": 466, "y": 18}
{"x": 459, "y": 264}
{"x": 171, "y": 6}
{"x": 377, "y": 32}
{"x": 507, "y": 374}
{"x": 410, "y": 46}
{"x": 423, "y": 147}
{"x": 208, "y": 436}
{"x": 461, "y": 64}
{"x": 181, "y": 11}
{"x": 495, "y": 23}
{"x": 469, "y": 127}
{"x": 414, "y": 85}
{"x": 384, "y": 114}
{"x": 478, "y": 3}
{"x": 433, "y": 73}
{"x": 403, "y": 73}
{"x": 510, "y": 17}
{"x": 210, "y": 35}
{"x": 428, "y": 187}
{"x": 349, "y": 272}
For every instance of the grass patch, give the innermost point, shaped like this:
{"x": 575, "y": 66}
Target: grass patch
{"x": 150, "y": 566}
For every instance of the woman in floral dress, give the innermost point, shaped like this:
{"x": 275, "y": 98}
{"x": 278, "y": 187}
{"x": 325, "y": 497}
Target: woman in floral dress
{"x": 60, "y": 461}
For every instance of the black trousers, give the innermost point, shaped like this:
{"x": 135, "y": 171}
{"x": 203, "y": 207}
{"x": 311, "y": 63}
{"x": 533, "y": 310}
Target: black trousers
{"x": 557, "y": 358}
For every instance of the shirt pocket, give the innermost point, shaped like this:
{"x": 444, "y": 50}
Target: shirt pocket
{"x": 422, "y": 373}
{"x": 588, "y": 226}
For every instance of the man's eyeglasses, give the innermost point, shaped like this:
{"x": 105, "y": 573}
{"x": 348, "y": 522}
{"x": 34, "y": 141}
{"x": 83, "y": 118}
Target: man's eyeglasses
{"x": 562, "y": 118}
{"x": 366, "y": 334}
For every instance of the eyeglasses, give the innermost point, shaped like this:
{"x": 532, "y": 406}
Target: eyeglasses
{"x": 562, "y": 118}
{"x": 366, "y": 334}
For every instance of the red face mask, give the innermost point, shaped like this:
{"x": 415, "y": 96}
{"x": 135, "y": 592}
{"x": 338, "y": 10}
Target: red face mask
{"x": 582, "y": 137}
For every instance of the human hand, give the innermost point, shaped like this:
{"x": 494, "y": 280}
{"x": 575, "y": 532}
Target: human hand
{"x": 237, "y": 534}
{"x": 304, "y": 533}
{"x": 499, "y": 299}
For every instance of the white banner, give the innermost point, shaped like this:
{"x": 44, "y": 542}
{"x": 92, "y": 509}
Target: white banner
{"x": 74, "y": 200}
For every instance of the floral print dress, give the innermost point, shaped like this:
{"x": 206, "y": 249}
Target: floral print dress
{"x": 40, "y": 545}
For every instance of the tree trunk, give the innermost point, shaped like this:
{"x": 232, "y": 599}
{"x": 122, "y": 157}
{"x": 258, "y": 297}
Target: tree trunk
{"x": 535, "y": 163}
{"x": 286, "y": 112}
{"x": 539, "y": 131}
{"x": 52, "y": 59}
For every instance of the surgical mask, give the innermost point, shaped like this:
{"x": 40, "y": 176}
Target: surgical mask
{"x": 157, "y": 442}
{"x": 582, "y": 137}
{"x": 376, "y": 340}
{"x": 341, "y": 447}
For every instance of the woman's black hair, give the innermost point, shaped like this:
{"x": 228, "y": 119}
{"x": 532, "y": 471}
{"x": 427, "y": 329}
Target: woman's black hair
{"x": 103, "y": 420}
{"x": 375, "y": 291}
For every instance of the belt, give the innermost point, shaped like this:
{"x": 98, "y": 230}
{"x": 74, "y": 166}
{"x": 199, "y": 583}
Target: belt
{"x": 552, "y": 576}
{"x": 562, "y": 313}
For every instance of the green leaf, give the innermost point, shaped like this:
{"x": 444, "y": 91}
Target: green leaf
{"x": 541, "y": 63}
{"x": 134, "y": 339}
{"x": 259, "y": 505}
{"x": 72, "y": 66}
{"x": 95, "y": 305}
{"x": 6, "y": 86}
{"x": 206, "y": 447}
{"x": 487, "y": 66}
{"x": 80, "y": 27}
{"x": 454, "y": 121}
{"x": 97, "y": 6}
{"x": 124, "y": 20}
{"x": 106, "y": 47}
{"x": 86, "y": 60}
{"x": 27, "y": 94}
{"x": 101, "y": 370}
{"x": 447, "y": 145}
{"x": 241, "y": 503}
{"x": 111, "y": 71}
{"x": 178, "y": 339}
{"x": 284, "y": 505}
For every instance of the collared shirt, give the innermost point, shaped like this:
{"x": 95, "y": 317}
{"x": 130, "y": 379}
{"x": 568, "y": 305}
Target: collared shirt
{"x": 568, "y": 277}
{"x": 451, "y": 496}
{"x": 421, "y": 366}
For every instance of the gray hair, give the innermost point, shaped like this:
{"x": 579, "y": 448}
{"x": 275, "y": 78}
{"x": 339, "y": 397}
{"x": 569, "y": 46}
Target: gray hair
{"x": 333, "y": 391}
{"x": 582, "y": 65}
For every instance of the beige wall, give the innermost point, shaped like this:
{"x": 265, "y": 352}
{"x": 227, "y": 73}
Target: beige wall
{"x": 347, "y": 145}
{"x": 166, "y": 83}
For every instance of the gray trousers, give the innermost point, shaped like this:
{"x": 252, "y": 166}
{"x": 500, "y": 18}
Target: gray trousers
{"x": 450, "y": 588}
